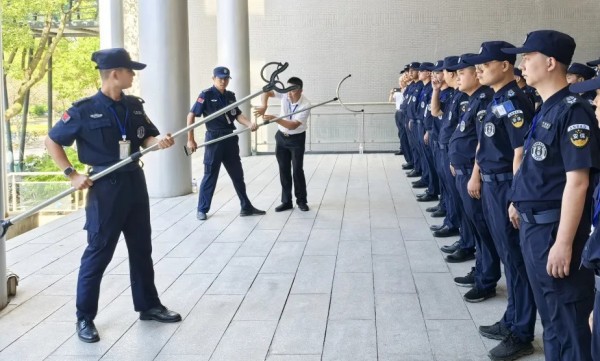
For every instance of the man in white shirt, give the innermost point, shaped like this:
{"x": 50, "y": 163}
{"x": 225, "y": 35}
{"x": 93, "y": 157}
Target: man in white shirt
{"x": 290, "y": 142}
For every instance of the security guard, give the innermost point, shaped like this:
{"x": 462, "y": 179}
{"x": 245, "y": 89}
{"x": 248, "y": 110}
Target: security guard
{"x": 591, "y": 252}
{"x": 397, "y": 97}
{"x": 407, "y": 82}
{"x": 578, "y": 72}
{"x": 108, "y": 127}
{"x": 561, "y": 152}
{"x": 226, "y": 151}
{"x": 499, "y": 155}
{"x": 461, "y": 152}
{"x": 413, "y": 92}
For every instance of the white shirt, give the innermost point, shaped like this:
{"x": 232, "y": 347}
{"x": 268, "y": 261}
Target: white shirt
{"x": 399, "y": 98}
{"x": 287, "y": 107}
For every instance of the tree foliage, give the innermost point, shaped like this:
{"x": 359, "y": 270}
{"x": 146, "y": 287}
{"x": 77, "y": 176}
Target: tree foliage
{"x": 52, "y": 16}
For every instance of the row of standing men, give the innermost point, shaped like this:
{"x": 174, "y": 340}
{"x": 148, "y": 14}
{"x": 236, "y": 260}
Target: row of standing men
{"x": 513, "y": 154}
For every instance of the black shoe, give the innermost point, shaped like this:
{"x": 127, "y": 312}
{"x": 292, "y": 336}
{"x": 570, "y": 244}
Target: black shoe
{"x": 445, "y": 232}
{"x": 451, "y": 248}
{"x": 419, "y": 185}
{"x": 440, "y": 213}
{"x": 497, "y": 331}
{"x": 413, "y": 174}
{"x": 474, "y": 295}
{"x": 251, "y": 212}
{"x": 407, "y": 166}
{"x": 400, "y": 152}
{"x": 86, "y": 331}
{"x": 303, "y": 207}
{"x": 160, "y": 314}
{"x": 433, "y": 209}
{"x": 460, "y": 255}
{"x": 436, "y": 227}
{"x": 201, "y": 216}
{"x": 466, "y": 281}
{"x": 511, "y": 348}
{"x": 283, "y": 207}
{"x": 421, "y": 195}
{"x": 427, "y": 198}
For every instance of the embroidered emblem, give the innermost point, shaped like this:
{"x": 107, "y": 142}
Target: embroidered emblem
{"x": 95, "y": 116}
{"x": 141, "y": 131}
{"x": 539, "y": 151}
{"x": 200, "y": 100}
{"x": 510, "y": 93}
{"x": 481, "y": 114}
{"x": 516, "y": 118}
{"x": 462, "y": 126}
{"x": 490, "y": 129}
{"x": 579, "y": 135}
{"x": 65, "y": 117}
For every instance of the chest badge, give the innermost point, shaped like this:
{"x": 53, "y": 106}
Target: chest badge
{"x": 141, "y": 131}
{"x": 462, "y": 126}
{"x": 539, "y": 151}
{"x": 138, "y": 112}
{"x": 489, "y": 130}
{"x": 95, "y": 116}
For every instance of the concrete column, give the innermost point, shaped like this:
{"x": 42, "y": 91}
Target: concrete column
{"x": 111, "y": 24}
{"x": 3, "y": 289}
{"x": 165, "y": 86}
{"x": 234, "y": 52}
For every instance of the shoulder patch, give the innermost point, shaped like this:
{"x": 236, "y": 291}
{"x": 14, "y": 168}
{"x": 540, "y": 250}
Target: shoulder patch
{"x": 579, "y": 134}
{"x": 65, "y": 117}
{"x": 516, "y": 118}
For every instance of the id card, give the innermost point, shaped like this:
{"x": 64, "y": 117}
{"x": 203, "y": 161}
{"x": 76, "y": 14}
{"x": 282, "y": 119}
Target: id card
{"x": 124, "y": 149}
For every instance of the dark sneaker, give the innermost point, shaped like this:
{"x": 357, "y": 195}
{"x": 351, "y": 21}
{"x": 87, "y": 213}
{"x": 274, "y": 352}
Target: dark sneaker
{"x": 303, "y": 207}
{"x": 251, "y": 212}
{"x": 474, "y": 295}
{"x": 511, "y": 348}
{"x": 201, "y": 216}
{"x": 497, "y": 331}
{"x": 466, "y": 281}
{"x": 283, "y": 207}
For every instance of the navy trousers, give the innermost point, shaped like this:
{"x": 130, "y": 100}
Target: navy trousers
{"x": 564, "y": 304}
{"x": 226, "y": 152}
{"x": 520, "y": 312}
{"x": 487, "y": 262}
{"x": 117, "y": 203}
{"x": 414, "y": 144}
{"x": 403, "y": 135}
{"x": 452, "y": 201}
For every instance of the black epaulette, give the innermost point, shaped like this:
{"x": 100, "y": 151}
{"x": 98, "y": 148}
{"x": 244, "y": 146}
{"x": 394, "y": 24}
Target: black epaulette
{"x": 133, "y": 97}
{"x": 81, "y": 101}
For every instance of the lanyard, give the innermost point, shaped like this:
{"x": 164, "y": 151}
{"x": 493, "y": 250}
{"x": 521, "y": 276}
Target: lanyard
{"x": 292, "y": 110}
{"x": 530, "y": 135}
{"x": 122, "y": 127}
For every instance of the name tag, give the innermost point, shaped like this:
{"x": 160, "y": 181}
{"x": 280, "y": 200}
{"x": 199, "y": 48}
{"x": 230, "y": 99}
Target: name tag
{"x": 124, "y": 149}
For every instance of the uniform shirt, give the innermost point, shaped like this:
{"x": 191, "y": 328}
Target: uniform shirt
{"x": 507, "y": 121}
{"x": 457, "y": 107}
{"x": 563, "y": 137}
{"x": 432, "y": 124}
{"x": 424, "y": 106}
{"x": 398, "y": 98}
{"x": 413, "y": 100}
{"x": 287, "y": 107}
{"x": 96, "y": 124}
{"x": 463, "y": 143}
{"x": 532, "y": 94}
{"x": 210, "y": 101}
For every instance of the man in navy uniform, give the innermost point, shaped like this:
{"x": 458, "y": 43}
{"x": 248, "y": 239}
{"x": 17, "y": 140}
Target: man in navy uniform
{"x": 578, "y": 72}
{"x": 561, "y": 152}
{"x": 108, "y": 127}
{"x": 499, "y": 155}
{"x": 226, "y": 151}
{"x": 591, "y": 252}
{"x": 413, "y": 91}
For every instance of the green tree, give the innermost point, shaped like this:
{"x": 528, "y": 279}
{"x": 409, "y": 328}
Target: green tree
{"x": 19, "y": 17}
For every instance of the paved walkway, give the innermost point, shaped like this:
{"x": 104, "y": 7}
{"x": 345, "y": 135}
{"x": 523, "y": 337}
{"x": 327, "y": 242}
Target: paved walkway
{"x": 358, "y": 277}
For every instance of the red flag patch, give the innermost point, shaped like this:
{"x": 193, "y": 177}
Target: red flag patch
{"x": 200, "y": 100}
{"x": 65, "y": 117}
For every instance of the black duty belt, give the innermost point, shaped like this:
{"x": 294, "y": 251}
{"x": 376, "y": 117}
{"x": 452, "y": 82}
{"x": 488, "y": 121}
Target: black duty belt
{"x": 542, "y": 217}
{"x": 498, "y": 177}
{"x": 95, "y": 169}
{"x": 289, "y": 135}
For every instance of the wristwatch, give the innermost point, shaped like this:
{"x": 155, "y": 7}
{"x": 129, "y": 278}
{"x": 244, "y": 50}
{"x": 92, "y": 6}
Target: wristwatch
{"x": 67, "y": 172}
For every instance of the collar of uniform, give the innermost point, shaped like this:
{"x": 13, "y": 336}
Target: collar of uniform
{"x": 105, "y": 100}
{"x": 217, "y": 92}
{"x": 500, "y": 93}
{"x": 555, "y": 99}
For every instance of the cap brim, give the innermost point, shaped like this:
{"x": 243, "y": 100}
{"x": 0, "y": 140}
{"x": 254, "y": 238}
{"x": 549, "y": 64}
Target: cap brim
{"x": 137, "y": 66}
{"x": 440, "y": 68}
{"x": 458, "y": 67}
{"x": 585, "y": 86}
{"x": 478, "y": 59}
{"x": 223, "y": 76}
{"x": 593, "y": 63}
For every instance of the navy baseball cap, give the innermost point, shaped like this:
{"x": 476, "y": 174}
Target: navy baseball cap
{"x": 221, "y": 72}
{"x": 582, "y": 70}
{"x": 439, "y": 66}
{"x": 492, "y": 50}
{"x": 405, "y": 69}
{"x": 461, "y": 62}
{"x": 518, "y": 72}
{"x": 449, "y": 61}
{"x": 414, "y": 65}
{"x": 426, "y": 67}
{"x": 593, "y": 62}
{"x": 585, "y": 86}
{"x": 115, "y": 58}
{"x": 551, "y": 43}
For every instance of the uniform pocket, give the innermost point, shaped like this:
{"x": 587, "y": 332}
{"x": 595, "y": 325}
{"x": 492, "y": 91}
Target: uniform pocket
{"x": 99, "y": 123}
